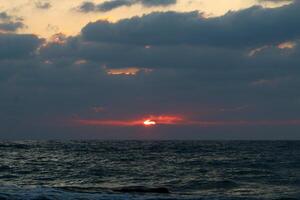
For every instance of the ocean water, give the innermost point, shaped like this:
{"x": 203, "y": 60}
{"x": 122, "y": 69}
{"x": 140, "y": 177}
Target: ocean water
{"x": 144, "y": 170}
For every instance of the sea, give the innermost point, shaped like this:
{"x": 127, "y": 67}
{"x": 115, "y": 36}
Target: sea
{"x": 150, "y": 170}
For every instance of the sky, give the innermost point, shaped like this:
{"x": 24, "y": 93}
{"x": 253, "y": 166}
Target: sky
{"x": 150, "y": 69}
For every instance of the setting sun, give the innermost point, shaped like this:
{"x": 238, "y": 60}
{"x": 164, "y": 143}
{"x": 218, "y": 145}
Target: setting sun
{"x": 149, "y": 122}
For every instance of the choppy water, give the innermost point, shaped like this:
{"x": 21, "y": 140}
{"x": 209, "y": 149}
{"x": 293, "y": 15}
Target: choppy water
{"x": 149, "y": 170}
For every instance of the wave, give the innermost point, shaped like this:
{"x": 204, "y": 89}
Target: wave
{"x": 74, "y": 193}
{"x": 95, "y": 193}
{"x": 129, "y": 189}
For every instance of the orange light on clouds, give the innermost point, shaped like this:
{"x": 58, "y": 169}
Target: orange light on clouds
{"x": 287, "y": 45}
{"x": 130, "y": 71}
{"x": 126, "y": 71}
{"x": 167, "y": 119}
{"x": 58, "y": 38}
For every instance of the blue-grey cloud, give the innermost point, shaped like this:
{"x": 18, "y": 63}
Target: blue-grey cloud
{"x": 43, "y": 84}
{"x": 254, "y": 26}
{"x": 10, "y": 23}
{"x": 11, "y": 26}
{"x": 110, "y": 5}
{"x": 113, "y": 4}
{"x": 87, "y": 7}
{"x": 14, "y": 46}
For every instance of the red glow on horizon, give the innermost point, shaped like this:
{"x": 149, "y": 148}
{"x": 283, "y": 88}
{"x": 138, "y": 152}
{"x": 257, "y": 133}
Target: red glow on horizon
{"x": 167, "y": 119}
{"x": 178, "y": 120}
{"x": 95, "y": 122}
{"x": 149, "y": 121}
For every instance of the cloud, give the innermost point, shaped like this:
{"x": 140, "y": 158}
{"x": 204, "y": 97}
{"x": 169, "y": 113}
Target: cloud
{"x": 177, "y": 121}
{"x": 13, "y": 46}
{"x": 146, "y": 67}
{"x": 110, "y": 5}
{"x": 150, "y": 3}
{"x": 250, "y": 27}
{"x": 87, "y": 7}
{"x": 113, "y": 4}
{"x": 131, "y": 71}
{"x": 154, "y": 120}
{"x": 4, "y": 16}
{"x": 11, "y": 26}
{"x": 10, "y": 23}
{"x": 43, "y": 5}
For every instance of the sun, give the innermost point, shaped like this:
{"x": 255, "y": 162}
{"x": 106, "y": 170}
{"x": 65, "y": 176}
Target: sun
{"x": 149, "y": 122}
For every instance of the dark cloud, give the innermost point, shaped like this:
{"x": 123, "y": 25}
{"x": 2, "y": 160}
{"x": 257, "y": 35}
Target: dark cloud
{"x": 11, "y": 26}
{"x": 113, "y": 4}
{"x": 10, "y": 23}
{"x": 110, "y": 5}
{"x": 87, "y": 7}
{"x": 254, "y": 26}
{"x": 14, "y": 46}
{"x": 43, "y": 5}
{"x": 4, "y": 16}
{"x": 44, "y": 85}
{"x": 150, "y": 3}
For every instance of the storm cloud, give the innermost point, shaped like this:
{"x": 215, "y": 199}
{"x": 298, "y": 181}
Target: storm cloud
{"x": 228, "y": 68}
{"x": 13, "y": 46}
{"x": 254, "y": 26}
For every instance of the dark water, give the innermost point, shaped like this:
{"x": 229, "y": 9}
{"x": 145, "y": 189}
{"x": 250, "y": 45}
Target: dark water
{"x": 149, "y": 170}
